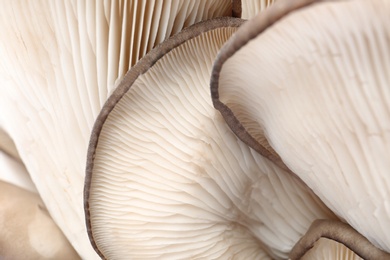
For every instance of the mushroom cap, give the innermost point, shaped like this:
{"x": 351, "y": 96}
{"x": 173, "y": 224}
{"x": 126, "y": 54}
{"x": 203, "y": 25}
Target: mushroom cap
{"x": 59, "y": 62}
{"x": 7, "y": 145}
{"x": 167, "y": 178}
{"x": 26, "y": 229}
{"x": 12, "y": 169}
{"x": 315, "y": 86}
{"x": 14, "y": 172}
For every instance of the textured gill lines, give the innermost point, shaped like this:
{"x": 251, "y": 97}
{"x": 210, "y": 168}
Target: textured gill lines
{"x": 362, "y": 106}
{"x": 27, "y": 94}
{"x": 329, "y": 123}
{"x": 192, "y": 164}
{"x": 330, "y": 249}
{"x": 73, "y": 71}
{"x": 362, "y": 133}
{"x": 174, "y": 116}
{"x": 172, "y": 197}
{"x": 250, "y": 8}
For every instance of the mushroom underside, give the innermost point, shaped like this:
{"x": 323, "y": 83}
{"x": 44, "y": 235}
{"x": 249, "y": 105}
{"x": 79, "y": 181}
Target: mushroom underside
{"x": 169, "y": 179}
{"x": 320, "y": 105}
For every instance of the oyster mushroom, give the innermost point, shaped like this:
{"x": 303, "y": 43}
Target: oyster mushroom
{"x": 315, "y": 91}
{"x": 59, "y": 62}
{"x": 26, "y": 228}
{"x": 167, "y": 178}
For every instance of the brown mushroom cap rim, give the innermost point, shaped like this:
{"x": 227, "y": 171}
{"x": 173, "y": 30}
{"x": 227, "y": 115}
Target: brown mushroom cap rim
{"x": 132, "y": 75}
{"x": 246, "y": 33}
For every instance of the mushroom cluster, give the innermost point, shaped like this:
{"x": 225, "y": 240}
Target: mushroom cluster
{"x": 203, "y": 134}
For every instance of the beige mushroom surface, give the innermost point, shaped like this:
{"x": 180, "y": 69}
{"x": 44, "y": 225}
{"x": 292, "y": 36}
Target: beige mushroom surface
{"x": 14, "y": 172}
{"x": 60, "y": 60}
{"x": 326, "y": 248}
{"x": 26, "y": 229}
{"x": 311, "y": 85}
{"x": 250, "y": 8}
{"x": 166, "y": 177}
{"x": 329, "y": 239}
{"x": 7, "y": 145}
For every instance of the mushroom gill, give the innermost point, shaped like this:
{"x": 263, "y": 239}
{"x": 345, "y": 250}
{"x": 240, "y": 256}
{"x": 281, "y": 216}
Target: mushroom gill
{"x": 311, "y": 85}
{"x": 166, "y": 178}
{"x": 60, "y": 60}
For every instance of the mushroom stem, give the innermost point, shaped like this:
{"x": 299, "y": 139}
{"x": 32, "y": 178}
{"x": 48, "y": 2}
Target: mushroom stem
{"x": 340, "y": 232}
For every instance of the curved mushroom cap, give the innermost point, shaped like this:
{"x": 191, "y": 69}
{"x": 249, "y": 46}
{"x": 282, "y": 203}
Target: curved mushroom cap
{"x": 26, "y": 229}
{"x": 13, "y": 171}
{"x": 167, "y": 178}
{"x": 7, "y": 145}
{"x": 316, "y": 85}
{"x": 345, "y": 243}
{"x": 59, "y": 62}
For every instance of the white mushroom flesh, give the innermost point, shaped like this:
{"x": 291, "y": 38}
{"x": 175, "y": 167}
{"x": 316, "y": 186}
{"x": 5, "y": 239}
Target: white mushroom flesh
{"x": 317, "y": 84}
{"x": 59, "y": 62}
{"x": 170, "y": 180}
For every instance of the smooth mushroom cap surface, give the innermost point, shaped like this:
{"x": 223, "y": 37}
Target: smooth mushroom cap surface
{"x": 60, "y": 60}
{"x": 26, "y": 229}
{"x": 315, "y": 84}
{"x": 13, "y": 171}
{"x": 7, "y": 145}
{"x": 166, "y": 178}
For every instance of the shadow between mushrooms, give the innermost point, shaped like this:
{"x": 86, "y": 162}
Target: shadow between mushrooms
{"x": 314, "y": 90}
{"x": 26, "y": 229}
{"x": 167, "y": 178}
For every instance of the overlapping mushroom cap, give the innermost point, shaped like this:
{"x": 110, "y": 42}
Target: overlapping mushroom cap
{"x": 315, "y": 84}
{"x": 167, "y": 178}
{"x": 60, "y": 60}
{"x": 26, "y": 228}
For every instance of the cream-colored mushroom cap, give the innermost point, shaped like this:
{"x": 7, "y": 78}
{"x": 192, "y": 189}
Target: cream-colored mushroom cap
{"x": 60, "y": 60}
{"x": 12, "y": 169}
{"x": 166, "y": 178}
{"x": 26, "y": 229}
{"x": 315, "y": 84}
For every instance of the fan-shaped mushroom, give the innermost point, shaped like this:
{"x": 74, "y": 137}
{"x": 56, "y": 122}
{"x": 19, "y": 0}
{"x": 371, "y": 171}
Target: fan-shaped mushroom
{"x": 26, "y": 228}
{"x": 59, "y": 62}
{"x": 315, "y": 83}
{"x": 167, "y": 178}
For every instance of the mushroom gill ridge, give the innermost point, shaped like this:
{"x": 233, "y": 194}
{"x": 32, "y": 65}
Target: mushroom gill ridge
{"x": 319, "y": 96}
{"x": 167, "y": 178}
